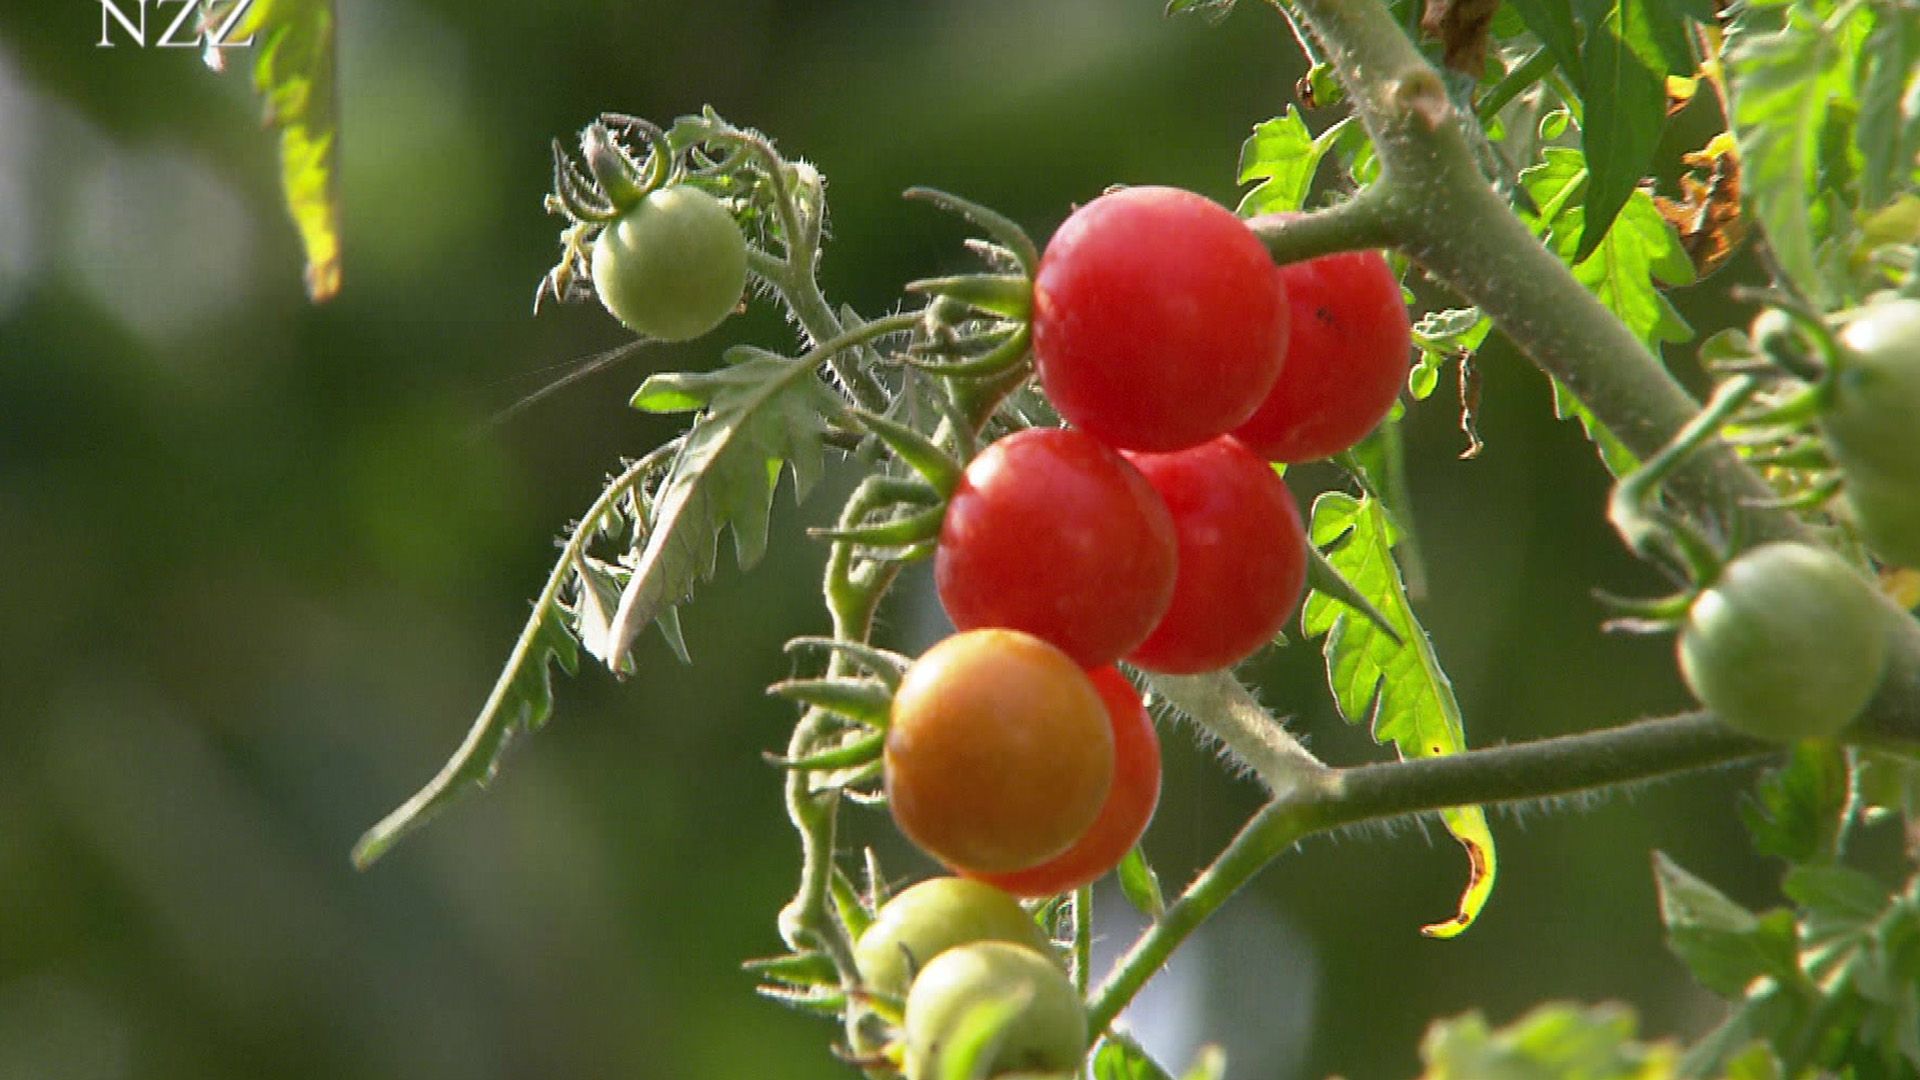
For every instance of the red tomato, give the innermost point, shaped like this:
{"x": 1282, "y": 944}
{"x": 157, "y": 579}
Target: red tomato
{"x": 1347, "y": 358}
{"x": 1123, "y": 817}
{"x": 1243, "y": 557}
{"x": 1052, "y": 533}
{"x": 999, "y": 754}
{"x": 1158, "y": 322}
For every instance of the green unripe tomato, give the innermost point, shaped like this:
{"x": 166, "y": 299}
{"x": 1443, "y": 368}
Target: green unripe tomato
{"x": 1873, "y": 419}
{"x": 1888, "y": 515}
{"x": 673, "y": 266}
{"x": 1048, "y": 1035}
{"x": 928, "y": 919}
{"x": 1788, "y": 644}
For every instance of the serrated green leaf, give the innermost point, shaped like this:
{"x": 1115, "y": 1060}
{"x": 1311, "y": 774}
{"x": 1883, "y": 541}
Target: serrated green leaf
{"x": 294, "y": 73}
{"x": 1556, "y": 1041}
{"x": 1799, "y": 808}
{"x": 1399, "y": 688}
{"x": 1888, "y": 128}
{"x": 1283, "y": 156}
{"x": 1783, "y": 83}
{"x": 1725, "y": 945}
{"x": 762, "y": 414}
{"x": 522, "y": 697}
{"x": 1626, "y": 106}
{"x": 1640, "y": 251}
{"x": 1120, "y": 1058}
{"x": 521, "y": 701}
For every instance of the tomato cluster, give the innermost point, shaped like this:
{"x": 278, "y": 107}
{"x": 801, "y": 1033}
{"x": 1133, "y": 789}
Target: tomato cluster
{"x": 1151, "y": 530}
{"x": 951, "y": 947}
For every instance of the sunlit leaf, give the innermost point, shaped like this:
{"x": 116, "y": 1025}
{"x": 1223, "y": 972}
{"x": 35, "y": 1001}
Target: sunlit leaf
{"x": 293, "y": 70}
{"x": 1799, "y": 808}
{"x": 1283, "y": 156}
{"x": 1398, "y": 687}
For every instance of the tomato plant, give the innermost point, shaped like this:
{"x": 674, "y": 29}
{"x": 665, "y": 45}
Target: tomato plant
{"x": 1243, "y": 557}
{"x": 673, "y": 266}
{"x": 1047, "y": 1033}
{"x": 1157, "y": 320}
{"x": 1159, "y": 327}
{"x": 931, "y": 917}
{"x": 999, "y": 754}
{"x": 1125, "y": 814}
{"x": 1052, "y": 533}
{"x": 1788, "y": 643}
{"x": 1349, "y": 345}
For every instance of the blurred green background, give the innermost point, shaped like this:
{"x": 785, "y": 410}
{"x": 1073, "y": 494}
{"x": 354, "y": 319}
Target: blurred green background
{"x": 259, "y": 562}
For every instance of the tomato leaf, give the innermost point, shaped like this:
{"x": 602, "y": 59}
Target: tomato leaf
{"x": 1623, "y": 272}
{"x": 293, "y": 70}
{"x": 579, "y": 588}
{"x": 1799, "y": 808}
{"x": 763, "y": 413}
{"x": 1398, "y": 687}
{"x": 1784, "y": 83}
{"x": 1283, "y": 156}
{"x": 1725, "y": 945}
{"x": 1626, "y": 103}
{"x": 1888, "y": 129}
{"x": 1556, "y": 1041}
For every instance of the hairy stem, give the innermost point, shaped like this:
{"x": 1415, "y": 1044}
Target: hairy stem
{"x": 1224, "y": 709}
{"x": 1339, "y": 797}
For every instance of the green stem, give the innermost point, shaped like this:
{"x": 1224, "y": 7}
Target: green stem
{"x": 1082, "y": 937}
{"x": 1220, "y": 705}
{"x": 1631, "y": 505}
{"x": 1355, "y": 225}
{"x": 1545, "y": 769}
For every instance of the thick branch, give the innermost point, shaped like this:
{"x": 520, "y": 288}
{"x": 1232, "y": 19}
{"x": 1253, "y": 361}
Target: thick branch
{"x": 1440, "y": 210}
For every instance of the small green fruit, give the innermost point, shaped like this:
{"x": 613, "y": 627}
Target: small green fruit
{"x": 1790, "y": 643}
{"x": 932, "y": 917}
{"x": 1048, "y": 1033}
